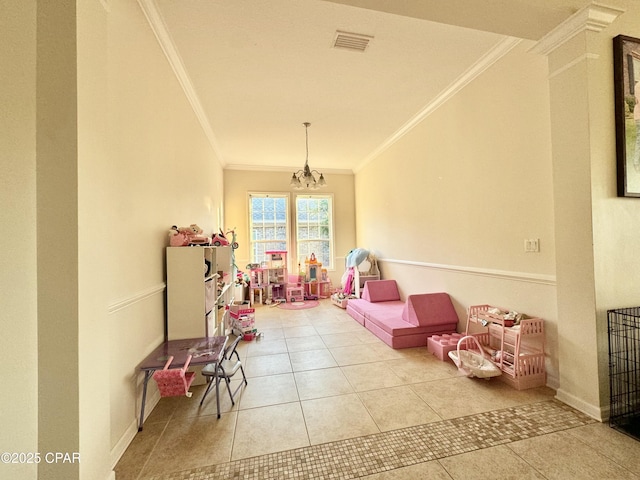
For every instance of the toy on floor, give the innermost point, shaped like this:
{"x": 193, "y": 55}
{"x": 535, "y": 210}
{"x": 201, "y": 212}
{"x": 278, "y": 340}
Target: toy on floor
{"x": 472, "y": 363}
{"x": 354, "y": 258}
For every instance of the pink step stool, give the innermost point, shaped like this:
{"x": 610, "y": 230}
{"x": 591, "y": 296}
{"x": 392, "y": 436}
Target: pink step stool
{"x": 441, "y": 345}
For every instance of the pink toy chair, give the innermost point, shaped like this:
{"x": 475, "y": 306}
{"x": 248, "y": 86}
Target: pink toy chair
{"x": 173, "y": 382}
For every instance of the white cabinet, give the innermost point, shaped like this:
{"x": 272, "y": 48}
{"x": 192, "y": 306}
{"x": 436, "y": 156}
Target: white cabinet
{"x": 199, "y": 287}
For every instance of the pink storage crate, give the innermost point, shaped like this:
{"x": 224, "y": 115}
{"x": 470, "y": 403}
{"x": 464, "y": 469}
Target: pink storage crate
{"x": 242, "y": 309}
{"x": 524, "y": 367}
{"x": 244, "y": 320}
{"x": 441, "y": 345}
{"x": 528, "y": 372}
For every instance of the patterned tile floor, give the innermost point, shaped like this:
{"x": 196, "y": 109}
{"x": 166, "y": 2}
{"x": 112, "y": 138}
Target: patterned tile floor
{"x": 367, "y": 455}
{"x": 328, "y": 400}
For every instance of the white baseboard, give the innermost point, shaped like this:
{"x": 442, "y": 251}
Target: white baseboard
{"x": 553, "y": 382}
{"x": 579, "y": 404}
{"x": 127, "y": 437}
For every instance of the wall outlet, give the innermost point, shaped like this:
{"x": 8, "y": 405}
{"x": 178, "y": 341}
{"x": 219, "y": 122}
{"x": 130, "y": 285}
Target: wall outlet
{"x": 531, "y": 245}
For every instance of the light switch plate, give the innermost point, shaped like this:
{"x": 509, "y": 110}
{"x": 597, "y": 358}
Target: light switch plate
{"x": 531, "y": 245}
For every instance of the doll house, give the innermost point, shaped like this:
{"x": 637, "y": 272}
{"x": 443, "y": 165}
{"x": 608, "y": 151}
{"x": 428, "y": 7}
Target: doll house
{"x": 316, "y": 279}
{"x": 270, "y": 279}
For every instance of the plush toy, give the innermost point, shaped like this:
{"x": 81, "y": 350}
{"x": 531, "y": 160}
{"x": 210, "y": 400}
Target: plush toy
{"x": 196, "y": 237}
{"x": 184, "y": 236}
{"x": 185, "y": 231}
{"x": 177, "y": 237}
{"x": 195, "y": 229}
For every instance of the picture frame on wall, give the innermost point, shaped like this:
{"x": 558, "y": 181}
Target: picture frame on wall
{"x": 626, "y": 75}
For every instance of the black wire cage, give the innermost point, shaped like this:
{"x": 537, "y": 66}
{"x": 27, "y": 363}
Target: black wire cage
{"x": 624, "y": 370}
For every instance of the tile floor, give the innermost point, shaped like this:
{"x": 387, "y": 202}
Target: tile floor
{"x": 326, "y": 399}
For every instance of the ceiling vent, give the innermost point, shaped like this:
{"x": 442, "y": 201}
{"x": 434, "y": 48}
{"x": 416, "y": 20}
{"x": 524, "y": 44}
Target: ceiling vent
{"x": 351, "y": 41}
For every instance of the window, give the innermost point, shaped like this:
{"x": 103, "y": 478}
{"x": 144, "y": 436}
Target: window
{"x": 269, "y": 227}
{"x": 269, "y": 224}
{"x": 314, "y": 228}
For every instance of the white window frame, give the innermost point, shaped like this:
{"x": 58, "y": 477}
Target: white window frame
{"x": 252, "y": 242}
{"x": 331, "y": 265}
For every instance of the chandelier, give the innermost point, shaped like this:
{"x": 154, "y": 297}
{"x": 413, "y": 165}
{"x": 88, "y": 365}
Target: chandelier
{"x": 305, "y": 178}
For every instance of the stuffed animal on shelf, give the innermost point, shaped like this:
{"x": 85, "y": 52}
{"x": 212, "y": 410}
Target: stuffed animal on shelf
{"x": 197, "y": 238}
{"x": 185, "y": 236}
{"x": 178, "y": 237}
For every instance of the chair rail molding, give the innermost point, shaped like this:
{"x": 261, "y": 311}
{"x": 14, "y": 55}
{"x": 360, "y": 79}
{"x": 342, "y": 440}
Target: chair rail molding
{"x": 135, "y": 298}
{"x": 485, "y": 272}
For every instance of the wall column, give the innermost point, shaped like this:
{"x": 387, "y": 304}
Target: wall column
{"x": 570, "y": 65}
{"x": 57, "y": 240}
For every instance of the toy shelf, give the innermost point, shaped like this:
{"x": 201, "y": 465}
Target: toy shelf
{"x": 198, "y": 288}
{"x": 517, "y": 349}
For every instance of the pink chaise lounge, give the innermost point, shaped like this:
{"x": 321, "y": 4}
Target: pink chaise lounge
{"x": 402, "y": 324}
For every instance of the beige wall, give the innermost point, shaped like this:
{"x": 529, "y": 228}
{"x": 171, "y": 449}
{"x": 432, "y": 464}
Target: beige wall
{"x": 597, "y": 247}
{"x": 238, "y": 184}
{"x": 18, "y": 277}
{"x": 572, "y": 173}
{"x": 467, "y": 186}
{"x": 616, "y": 221}
{"x": 93, "y": 200}
{"x": 589, "y": 229}
{"x": 120, "y": 158}
{"x": 158, "y": 169}
{"x": 57, "y": 223}
{"x": 597, "y": 254}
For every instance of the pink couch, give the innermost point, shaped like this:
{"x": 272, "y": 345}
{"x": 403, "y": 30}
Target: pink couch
{"x": 402, "y": 324}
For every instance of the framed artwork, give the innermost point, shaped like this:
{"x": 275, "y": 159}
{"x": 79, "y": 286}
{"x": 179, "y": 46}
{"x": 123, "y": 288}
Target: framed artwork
{"x": 626, "y": 75}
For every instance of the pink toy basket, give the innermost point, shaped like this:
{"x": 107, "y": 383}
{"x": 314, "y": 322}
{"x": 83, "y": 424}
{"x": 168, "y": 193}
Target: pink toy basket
{"x": 174, "y": 382}
{"x": 471, "y": 363}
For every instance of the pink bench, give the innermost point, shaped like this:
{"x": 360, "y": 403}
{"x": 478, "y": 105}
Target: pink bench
{"x": 402, "y": 324}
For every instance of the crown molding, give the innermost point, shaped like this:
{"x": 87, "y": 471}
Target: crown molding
{"x": 591, "y": 18}
{"x": 159, "y": 29}
{"x": 270, "y": 168}
{"x": 492, "y": 56}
